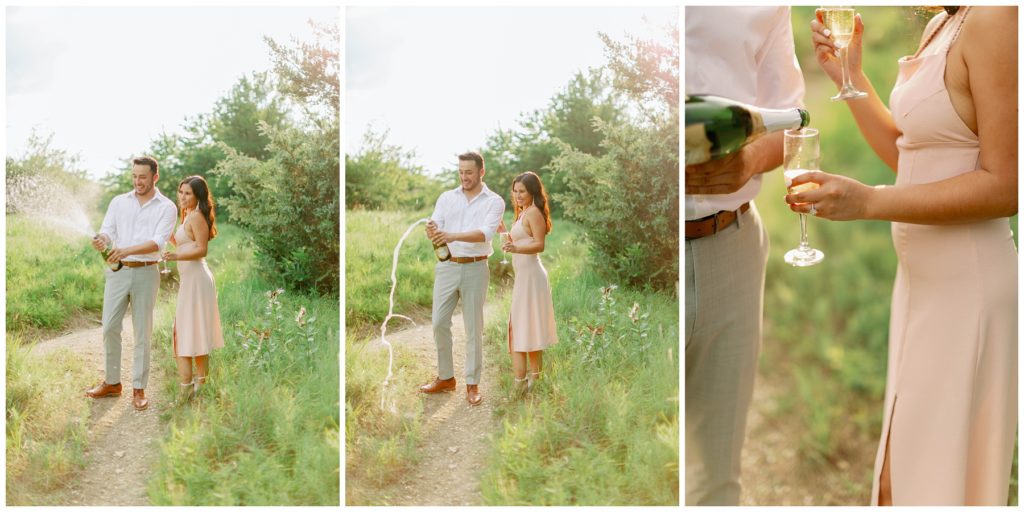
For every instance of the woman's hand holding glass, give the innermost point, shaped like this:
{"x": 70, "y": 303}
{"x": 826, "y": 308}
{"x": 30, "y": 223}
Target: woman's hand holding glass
{"x": 502, "y": 231}
{"x": 827, "y": 51}
{"x": 507, "y": 245}
{"x": 836, "y": 197}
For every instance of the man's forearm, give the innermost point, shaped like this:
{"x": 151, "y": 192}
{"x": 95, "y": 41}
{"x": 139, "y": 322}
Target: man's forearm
{"x": 475, "y": 236}
{"x": 765, "y": 153}
{"x": 143, "y": 248}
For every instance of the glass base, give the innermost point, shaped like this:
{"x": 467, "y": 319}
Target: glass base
{"x": 849, "y": 93}
{"x": 804, "y": 258}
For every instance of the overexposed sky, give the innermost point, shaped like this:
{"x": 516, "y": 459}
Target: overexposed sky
{"x": 107, "y": 80}
{"x": 441, "y": 79}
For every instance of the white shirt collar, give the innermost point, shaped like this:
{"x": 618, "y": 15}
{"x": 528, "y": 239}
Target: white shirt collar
{"x": 484, "y": 191}
{"x": 157, "y": 196}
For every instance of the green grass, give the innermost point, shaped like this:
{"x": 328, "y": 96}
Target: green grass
{"x": 265, "y": 430}
{"x": 605, "y": 428}
{"x": 51, "y": 277}
{"x": 370, "y": 241}
{"x": 380, "y": 440}
{"x": 46, "y": 427}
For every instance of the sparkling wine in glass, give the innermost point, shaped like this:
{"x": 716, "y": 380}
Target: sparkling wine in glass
{"x": 840, "y": 20}
{"x": 801, "y": 154}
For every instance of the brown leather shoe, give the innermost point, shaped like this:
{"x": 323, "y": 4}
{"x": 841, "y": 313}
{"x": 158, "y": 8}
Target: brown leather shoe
{"x": 438, "y": 386}
{"x": 139, "y": 399}
{"x": 103, "y": 389}
{"x": 473, "y": 395}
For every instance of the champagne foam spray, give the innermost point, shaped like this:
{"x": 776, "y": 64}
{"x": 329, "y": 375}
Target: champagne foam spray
{"x": 391, "y": 314}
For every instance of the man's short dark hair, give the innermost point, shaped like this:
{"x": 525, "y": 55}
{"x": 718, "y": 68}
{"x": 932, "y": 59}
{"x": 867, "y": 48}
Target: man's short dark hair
{"x": 475, "y": 157}
{"x": 154, "y": 167}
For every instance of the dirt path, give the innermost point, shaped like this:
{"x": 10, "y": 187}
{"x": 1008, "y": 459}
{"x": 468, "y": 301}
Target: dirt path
{"x": 454, "y": 441}
{"x": 123, "y": 444}
{"x": 772, "y": 471}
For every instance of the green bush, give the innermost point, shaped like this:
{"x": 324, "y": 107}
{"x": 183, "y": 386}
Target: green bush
{"x": 627, "y": 199}
{"x": 290, "y": 200}
{"x": 289, "y": 204}
{"x": 381, "y": 176}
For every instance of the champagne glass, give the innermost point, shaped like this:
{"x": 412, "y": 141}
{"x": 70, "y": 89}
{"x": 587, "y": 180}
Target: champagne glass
{"x": 502, "y": 236}
{"x": 840, "y": 20}
{"x": 164, "y": 267}
{"x": 800, "y": 154}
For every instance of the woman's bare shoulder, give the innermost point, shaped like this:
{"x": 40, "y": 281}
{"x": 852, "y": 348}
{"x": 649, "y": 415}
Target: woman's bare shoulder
{"x": 998, "y": 23}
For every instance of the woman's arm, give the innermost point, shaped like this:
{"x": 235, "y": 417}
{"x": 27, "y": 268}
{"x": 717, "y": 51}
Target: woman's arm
{"x": 200, "y": 233}
{"x": 873, "y": 118}
{"x": 535, "y": 224}
{"x": 990, "y": 53}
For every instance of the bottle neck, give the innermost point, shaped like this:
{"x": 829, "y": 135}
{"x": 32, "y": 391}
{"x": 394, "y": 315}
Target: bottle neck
{"x": 775, "y": 120}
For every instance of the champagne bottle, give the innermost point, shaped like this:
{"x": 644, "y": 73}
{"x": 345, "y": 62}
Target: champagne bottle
{"x": 106, "y": 254}
{"x": 716, "y": 127}
{"x": 442, "y": 252}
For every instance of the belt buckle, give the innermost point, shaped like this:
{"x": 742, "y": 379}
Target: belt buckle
{"x": 716, "y": 228}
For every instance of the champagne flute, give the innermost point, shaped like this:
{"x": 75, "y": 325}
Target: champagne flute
{"x": 164, "y": 267}
{"x": 505, "y": 236}
{"x": 800, "y": 154}
{"x": 840, "y": 20}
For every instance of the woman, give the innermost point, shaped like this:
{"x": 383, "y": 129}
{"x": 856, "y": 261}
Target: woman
{"x": 197, "y": 320}
{"x": 951, "y": 395}
{"x": 531, "y": 323}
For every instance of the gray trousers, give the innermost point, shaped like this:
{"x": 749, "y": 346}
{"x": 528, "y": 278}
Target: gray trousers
{"x": 724, "y": 306}
{"x": 138, "y": 286}
{"x": 452, "y": 281}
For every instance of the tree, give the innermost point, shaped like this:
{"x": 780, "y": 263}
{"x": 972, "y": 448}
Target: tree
{"x": 234, "y": 121}
{"x": 381, "y": 176}
{"x": 569, "y": 118}
{"x": 289, "y": 200}
{"x": 627, "y": 198}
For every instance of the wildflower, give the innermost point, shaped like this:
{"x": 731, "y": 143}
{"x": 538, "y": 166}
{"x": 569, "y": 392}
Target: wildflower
{"x": 300, "y": 318}
{"x": 634, "y": 312}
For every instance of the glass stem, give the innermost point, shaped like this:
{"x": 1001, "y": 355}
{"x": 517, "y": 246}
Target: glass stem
{"x": 843, "y": 55}
{"x": 804, "y": 246}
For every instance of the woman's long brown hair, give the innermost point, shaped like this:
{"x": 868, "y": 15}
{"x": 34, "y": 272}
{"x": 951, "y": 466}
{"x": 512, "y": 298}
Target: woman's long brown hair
{"x": 204, "y": 202}
{"x": 533, "y": 185}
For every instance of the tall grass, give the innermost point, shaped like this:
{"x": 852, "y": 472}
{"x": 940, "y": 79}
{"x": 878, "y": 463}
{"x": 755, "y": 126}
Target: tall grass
{"x": 370, "y": 241}
{"x": 265, "y": 430}
{"x": 51, "y": 277}
{"x": 46, "y": 428}
{"x": 603, "y": 426}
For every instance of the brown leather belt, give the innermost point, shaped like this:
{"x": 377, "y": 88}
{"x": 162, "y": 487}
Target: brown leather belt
{"x": 137, "y": 264}
{"x": 467, "y": 259}
{"x": 712, "y": 224}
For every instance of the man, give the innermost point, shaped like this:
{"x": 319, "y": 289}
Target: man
{"x": 139, "y": 223}
{"x": 466, "y": 219}
{"x": 746, "y": 54}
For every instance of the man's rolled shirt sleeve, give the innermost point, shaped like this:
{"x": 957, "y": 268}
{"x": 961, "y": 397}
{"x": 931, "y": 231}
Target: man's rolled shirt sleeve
{"x": 164, "y": 226}
{"x": 494, "y": 212}
{"x": 109, "y": 226}
{"x": 437, "y": 216}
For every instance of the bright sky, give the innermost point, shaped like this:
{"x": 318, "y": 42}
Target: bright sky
{"x": 443, "y": 78}
{"x": 107, "y": 80}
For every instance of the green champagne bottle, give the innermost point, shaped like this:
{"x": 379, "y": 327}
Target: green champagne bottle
{"x": 106, "y": 254}
{"x": 716, "y": 126}
{"x": 442, "y": 252}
